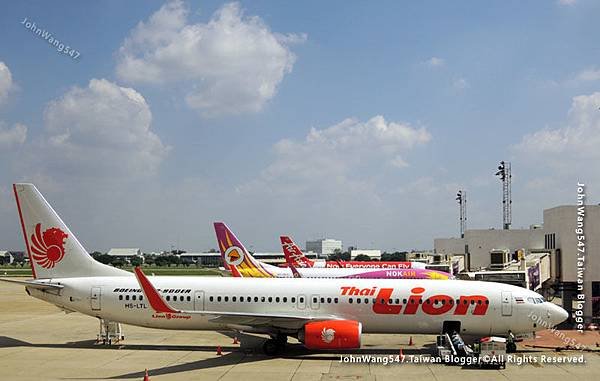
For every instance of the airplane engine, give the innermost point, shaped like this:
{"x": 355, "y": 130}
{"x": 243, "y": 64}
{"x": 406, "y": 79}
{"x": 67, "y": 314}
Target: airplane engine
{"x": 331, "y": 334}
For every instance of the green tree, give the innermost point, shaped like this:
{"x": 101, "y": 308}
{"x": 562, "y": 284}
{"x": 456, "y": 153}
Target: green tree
{"x": 102, "y": 258}
{"x": 339, "y": 256}
{"x": 362, "y": 258}
{"x": 118, "y": 262}
{"x": 150, "y": 259}
{"x": 136, "y": 261}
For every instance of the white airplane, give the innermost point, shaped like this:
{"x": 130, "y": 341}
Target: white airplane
{"x": 322, "y": 314}
{"x": 242, "y": 264}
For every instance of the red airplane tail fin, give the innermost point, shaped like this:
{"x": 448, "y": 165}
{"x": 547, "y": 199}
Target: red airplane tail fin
{"x": 293, "y": 255}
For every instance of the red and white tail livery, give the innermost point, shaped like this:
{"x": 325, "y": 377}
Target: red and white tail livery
{"x": 293, "y": 255}
{"x": 53, "y": 250}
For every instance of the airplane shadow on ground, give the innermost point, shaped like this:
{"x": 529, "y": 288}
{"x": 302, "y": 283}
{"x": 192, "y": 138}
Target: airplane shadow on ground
{"x": 250, "y": 351}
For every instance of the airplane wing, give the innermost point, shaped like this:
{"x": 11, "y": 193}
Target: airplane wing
{"x": 254, "y": 319}
{"x": 34, "y": 284}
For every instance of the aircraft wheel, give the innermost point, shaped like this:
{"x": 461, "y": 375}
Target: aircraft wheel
{"x": 281, "y": 340}
{"x": 511, "y": 348}
{"x": 271, "y": 347}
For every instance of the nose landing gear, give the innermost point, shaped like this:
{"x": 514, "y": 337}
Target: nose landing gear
{"x": 511, "y": 345}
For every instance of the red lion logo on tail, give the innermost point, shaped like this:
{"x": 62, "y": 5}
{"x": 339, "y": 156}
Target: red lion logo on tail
{"x": 48, "y": 248}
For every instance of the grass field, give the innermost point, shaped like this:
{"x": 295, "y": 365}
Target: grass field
{"x": 26, "y": 271}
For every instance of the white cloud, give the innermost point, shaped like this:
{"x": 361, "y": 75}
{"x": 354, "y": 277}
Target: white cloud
{"x": 556, "y": 159}
{"x": 460, "y": 83}
{"x": 435, "y": 62}
{"x": 233, "y": 63}
{"x": 588, "y": 75}
{"x": 344, "y": 155}
{"x": 12, "y": 136}
{"x": 15, "y": 136}
{"x": 6, "y": 82}
{"x": 399, "y": 162}
{"x": 580, "y": 138}
{"x": 101, "y": 131}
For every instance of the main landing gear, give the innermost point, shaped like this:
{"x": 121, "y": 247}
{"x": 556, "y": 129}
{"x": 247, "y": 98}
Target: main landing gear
{"x": 110, "y": 333}
{"x": 275, "y": 345}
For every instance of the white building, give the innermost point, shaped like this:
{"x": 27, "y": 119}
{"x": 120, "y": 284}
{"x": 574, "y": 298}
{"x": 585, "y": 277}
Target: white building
{"x": 324, "y": 246}
{"x": 478, "y": 243}
{"x": 126, "y": 254}
{"x": 373, "y": 254}
{"x": 202, "y": 259}
{"x": 6, "y": 257}
{"x": 557, "y": 236}
{"x": 561, "y": 239}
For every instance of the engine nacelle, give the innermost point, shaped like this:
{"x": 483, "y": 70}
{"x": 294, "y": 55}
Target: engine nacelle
{"x": 331, "y": 334}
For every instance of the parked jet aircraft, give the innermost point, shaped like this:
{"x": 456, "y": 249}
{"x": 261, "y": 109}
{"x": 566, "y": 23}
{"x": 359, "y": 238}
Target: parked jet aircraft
{"x": 328, "y": 314}
{"x": 242, "y": 264}
{"x": 295, "y": 257}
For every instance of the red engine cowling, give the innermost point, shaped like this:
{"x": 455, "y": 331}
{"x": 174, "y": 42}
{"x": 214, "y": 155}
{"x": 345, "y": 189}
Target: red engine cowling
{"x": 332, "y": 334}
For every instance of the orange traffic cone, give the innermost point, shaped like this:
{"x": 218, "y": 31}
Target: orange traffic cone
{"x": 235, "y": 340}
{"x": 401, "y": 355}
{"x": 219, "y": 351}
{"x": 146, "y": 378}
{"x": 410, "y": 342}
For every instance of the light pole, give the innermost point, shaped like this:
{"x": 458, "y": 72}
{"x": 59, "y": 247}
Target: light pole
{"x": 504, "y": 173}
{"x": 461, "y": 197}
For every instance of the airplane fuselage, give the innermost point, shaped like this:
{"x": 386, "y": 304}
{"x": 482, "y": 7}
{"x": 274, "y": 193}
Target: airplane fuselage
{"x": 381, "y": 305}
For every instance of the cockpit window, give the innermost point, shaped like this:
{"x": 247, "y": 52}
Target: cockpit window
{"x": 535, "y": 300}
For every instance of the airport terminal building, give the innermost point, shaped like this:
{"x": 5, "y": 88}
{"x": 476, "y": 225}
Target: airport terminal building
{"x": 324, "y": 247}
{"x": 570, "y": 272}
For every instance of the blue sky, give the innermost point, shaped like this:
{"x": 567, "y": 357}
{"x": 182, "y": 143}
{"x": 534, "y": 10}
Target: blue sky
{"x": 355, "y": 120}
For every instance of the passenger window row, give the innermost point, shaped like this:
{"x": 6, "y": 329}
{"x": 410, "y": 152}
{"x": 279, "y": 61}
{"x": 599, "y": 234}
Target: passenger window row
{"x": 256, "y": 299}
{"x": 168, "y": 298}
{"x": 133, "y": 297}
{"x": 181, "y": 298}
{"x": 329, "y": 300}
{"x": 412, "y": 301}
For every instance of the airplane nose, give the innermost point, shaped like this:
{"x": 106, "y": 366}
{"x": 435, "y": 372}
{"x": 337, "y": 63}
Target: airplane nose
{"x": 557, "y": 314}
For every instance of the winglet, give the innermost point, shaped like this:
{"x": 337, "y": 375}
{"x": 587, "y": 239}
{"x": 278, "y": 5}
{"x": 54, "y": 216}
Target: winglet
{"x": 156, "y": 301}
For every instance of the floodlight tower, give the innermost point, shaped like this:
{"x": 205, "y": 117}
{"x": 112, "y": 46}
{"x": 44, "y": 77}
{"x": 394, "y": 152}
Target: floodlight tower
{"x": 505, "y": 176}
{"x": 461, "y": 197}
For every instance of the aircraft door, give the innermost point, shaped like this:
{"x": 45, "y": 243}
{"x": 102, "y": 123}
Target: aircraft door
{"x": 96, "y": 298}
{"x": 198, "y": 300}
{"x": 506, "y": 303}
